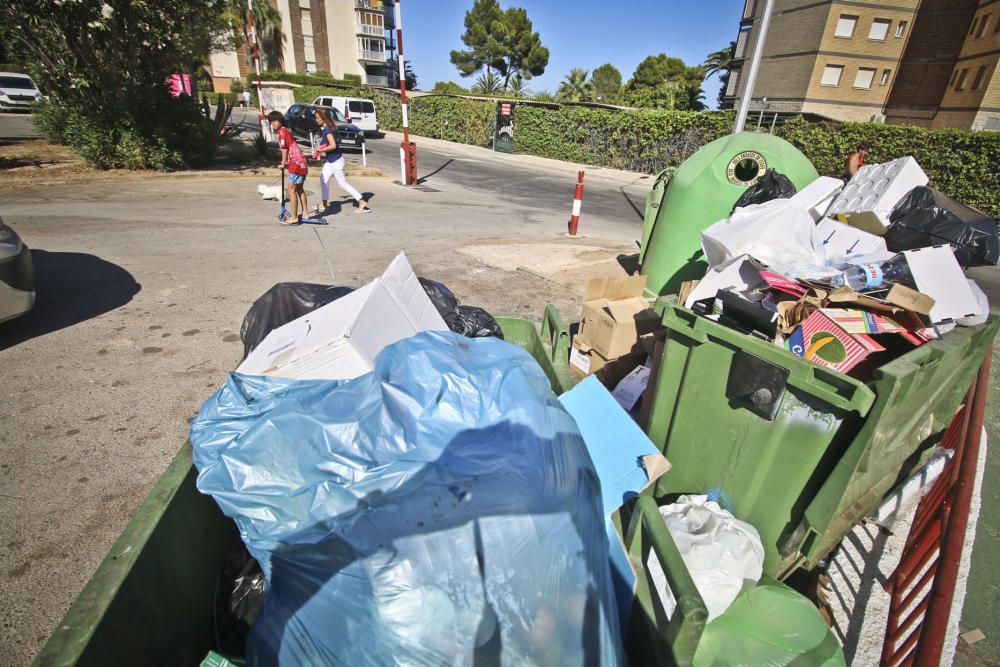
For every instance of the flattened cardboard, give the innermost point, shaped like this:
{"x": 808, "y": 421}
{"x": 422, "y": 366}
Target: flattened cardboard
{"x": 818, "y": 195}
{"x": 341, "y": 340}
{"x": 621, "y": 287}
{"x": 938, "y": 275}
{"x": 626, "y": 462}
{"x": 843, "y": 241}
{"x": 823, "y": 341}
{"x": 740, "y": 274}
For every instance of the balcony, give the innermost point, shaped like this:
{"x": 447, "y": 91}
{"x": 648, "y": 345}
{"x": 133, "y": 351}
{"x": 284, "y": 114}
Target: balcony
{"x": 370, "y": 30}
{"x": 372, "y": 56}
{"x": 370, "y": 5}
{"x": 373, "y": 80}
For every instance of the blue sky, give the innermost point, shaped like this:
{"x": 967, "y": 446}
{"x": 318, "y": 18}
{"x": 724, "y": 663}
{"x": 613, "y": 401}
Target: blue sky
{"x": 579, "y": 33}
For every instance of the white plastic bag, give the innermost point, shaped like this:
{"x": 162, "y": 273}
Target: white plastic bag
{"x": 720, "y": 552}
{"x": 780, "y": 233}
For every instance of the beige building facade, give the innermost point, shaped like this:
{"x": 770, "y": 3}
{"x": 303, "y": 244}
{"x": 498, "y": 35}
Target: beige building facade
{"x": 870, "y": 61}
{"x": 342, "y": 37}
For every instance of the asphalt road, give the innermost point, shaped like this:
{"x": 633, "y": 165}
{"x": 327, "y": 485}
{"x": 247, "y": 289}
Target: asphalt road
{"x": 16, "y": 126}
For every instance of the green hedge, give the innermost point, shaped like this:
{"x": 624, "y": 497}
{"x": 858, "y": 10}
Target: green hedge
{"x": 960, "y": 163}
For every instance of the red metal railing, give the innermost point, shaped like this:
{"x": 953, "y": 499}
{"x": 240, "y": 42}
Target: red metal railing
{"x": 923, "y": 586}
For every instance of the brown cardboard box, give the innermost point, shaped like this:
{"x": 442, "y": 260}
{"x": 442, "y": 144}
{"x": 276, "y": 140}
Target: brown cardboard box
{"x": 615, "y": 316}
{"x": 584, "y": 361}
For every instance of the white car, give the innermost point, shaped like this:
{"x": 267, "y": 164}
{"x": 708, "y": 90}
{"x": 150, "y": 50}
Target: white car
{"x": 17, "y": 92}
{"x": 358, "y": 112}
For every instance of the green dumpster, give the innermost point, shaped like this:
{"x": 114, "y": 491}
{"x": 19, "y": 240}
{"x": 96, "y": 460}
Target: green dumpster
{"x": 151, "y": 600}
{"x": 797, "y": 450}
{"x": 767, "y": 624}
{"x": 701, "y": 192}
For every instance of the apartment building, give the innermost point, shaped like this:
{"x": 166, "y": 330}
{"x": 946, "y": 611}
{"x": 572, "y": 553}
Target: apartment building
{"x": 836, "y": 58}
{"x": 336, "y": 36}
{"x": 948, "y": 75}
{"x": 931, "y": 63}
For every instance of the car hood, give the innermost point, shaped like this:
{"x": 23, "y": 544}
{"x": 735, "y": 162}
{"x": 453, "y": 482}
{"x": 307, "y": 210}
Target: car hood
{"x": 348, "y": 127}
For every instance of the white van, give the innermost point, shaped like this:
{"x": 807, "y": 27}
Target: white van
{"x": 359, "y": 112}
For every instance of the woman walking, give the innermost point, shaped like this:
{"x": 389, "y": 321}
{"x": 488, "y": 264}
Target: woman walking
{"x": 335, "y": 163}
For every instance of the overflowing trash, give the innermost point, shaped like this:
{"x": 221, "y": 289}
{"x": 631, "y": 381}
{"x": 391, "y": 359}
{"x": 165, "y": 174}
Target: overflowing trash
{"x": 723, "y": 554}
{"x": 280, "y": 305}
{"x": 395, "y": 515}
{"x": 851, "y": 275}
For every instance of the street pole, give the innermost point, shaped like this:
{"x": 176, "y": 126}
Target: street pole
{"x": 751, "y": 80}
{"x": 265, "y": 128}
{"x": 407, "y": 150}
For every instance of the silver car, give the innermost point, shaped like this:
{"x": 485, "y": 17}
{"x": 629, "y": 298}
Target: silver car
{"x": 17, "y": 275}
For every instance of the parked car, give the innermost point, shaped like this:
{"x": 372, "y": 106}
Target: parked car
{"x": 356, "y": 110}
{"x": 17, "y": 92}
{"x": 301, "y": 120}
{"x": 17, "y": 275}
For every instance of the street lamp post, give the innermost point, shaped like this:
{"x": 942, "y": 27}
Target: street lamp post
{"x": 758, "y": 51}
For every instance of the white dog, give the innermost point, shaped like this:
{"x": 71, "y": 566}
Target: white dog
{"x": 269, "y": 192}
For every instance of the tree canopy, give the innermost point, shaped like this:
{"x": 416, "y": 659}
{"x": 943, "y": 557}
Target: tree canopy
{"x": 502, "y": 41}
{"x": 449, "y": 88}
{"x": 661, "y": 78}
{"x": 576, "y": 87}
{"x": 607, "y": 82}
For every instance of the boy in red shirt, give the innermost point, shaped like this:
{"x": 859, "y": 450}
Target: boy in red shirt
{"x": 292, "y": 157}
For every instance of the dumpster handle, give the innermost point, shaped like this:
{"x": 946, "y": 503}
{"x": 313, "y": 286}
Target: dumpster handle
{"x": 690, "y": 614}
{"x": 555, "y": 333}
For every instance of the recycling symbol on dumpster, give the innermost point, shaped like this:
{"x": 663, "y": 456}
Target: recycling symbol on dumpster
{"x": 746, "y": 168}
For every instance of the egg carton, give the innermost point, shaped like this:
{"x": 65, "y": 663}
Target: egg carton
{"x": 867, "y": 200}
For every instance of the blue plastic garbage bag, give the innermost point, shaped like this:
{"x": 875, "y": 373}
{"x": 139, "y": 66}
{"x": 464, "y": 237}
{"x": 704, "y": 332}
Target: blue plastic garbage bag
{"x": 441, "y": 510}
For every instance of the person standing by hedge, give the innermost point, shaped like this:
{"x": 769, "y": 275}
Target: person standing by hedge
{"x": 334, "y": 163}
{"x": 855, "y": 160}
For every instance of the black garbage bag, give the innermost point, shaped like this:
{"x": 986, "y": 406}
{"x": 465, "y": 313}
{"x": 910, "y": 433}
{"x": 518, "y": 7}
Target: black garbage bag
{"x": 926, "y": 217}
{"x": 772, "y": 185}
{"x": 469, "y": 321}
{"x": 473, "y": 322}
{"x": 443, "y": 298}
{"x": 239, "y": 597}
{"x": 280, "y": 305}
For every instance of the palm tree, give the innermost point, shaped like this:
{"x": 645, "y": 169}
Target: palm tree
{"x": 518, "y": 86}
{"x": 488, "y": 83}
{"x": 543, "y": 96}
{"x": 719, "y": 61}
{"x": 576, "y": 87}
{"x": 267, "y": 22}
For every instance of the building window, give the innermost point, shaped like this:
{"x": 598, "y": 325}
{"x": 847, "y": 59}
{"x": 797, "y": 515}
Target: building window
{"x": 845, "y": 26}
{"x": 884, "y": 80}
{"x": 863, "y": 79}
{"x": 879, "y": 29}
{"x": 996, "y": 27}
{"x": 741, "y": 44}
{"x": 982, "y": 25}
{"x": 749, "y": 8}
{"x": 960, "y": 84}
{"x": 954, "y": 75}
{"x": 972, "y": 30}
{"x": 310, "y": 68}
{"x": 734, "y": 82}
{"x": 977, "y": 81}
{"x": 993, "y": 123}
{"x": 831, "y": 75}
{"x": 901, "y": 29}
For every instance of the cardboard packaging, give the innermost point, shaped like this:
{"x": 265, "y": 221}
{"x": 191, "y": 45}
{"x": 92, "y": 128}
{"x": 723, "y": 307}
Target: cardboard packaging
{"x": 868, "y": 199}
{"x": 823, "y": 341}
{"x": 585, "y": 360}
{"x": 939, "y": 276}
{"x": 341, "y": 340}
{"x": 615, "y": 316}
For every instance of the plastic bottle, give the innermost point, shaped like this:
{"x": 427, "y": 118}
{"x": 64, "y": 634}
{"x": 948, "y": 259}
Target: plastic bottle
{"x": 871, "y": 276}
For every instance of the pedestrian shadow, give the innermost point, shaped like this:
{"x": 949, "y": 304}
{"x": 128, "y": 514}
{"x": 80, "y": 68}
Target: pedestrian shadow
{"x": 70, "y": 287}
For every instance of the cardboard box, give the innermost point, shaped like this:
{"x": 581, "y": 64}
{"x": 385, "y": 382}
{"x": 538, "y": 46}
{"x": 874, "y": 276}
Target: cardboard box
{"x": 823, "y": 341}
{"x": 585, "y": 360}
{"x": 615, "y": 316}
{"x": 341, "y": 340}
{"x": 844, "y": 242}
{"x": 939, "y": 276}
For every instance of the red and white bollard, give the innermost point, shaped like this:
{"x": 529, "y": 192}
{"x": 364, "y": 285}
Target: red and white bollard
{"x": 574, "y": 220}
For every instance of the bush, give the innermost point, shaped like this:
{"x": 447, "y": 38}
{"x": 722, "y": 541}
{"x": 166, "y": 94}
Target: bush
{"x": 169, "y": 134}
{"x": 352, "y": 78}
{"x": 236, "y": 86}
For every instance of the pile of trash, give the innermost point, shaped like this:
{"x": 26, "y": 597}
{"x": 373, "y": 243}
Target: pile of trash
{"x": 848, "y": 276}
